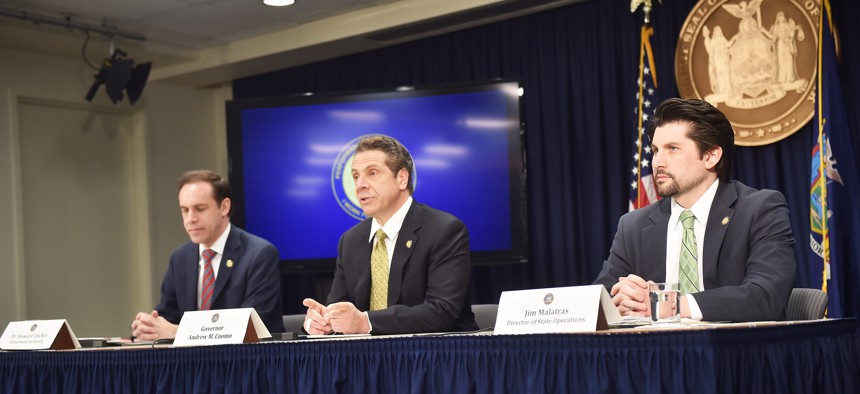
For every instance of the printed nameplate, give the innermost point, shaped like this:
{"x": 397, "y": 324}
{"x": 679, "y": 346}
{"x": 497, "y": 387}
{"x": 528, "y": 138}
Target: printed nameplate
{"x": 39, "y": 335}
{"x": 220, "y": 327}
{"x": 555, "y": 310}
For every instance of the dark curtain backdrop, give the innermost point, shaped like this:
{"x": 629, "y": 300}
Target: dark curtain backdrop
{"x": 578, "y": 66}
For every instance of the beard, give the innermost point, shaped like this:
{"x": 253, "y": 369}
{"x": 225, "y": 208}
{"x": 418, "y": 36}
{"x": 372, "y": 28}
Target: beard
{"x": 674, "y": 188}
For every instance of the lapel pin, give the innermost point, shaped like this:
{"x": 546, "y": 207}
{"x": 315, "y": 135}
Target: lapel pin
{"x": 725, "y": 220}
{"x": 409, "y": 244}
{"x": 230, "y": 262}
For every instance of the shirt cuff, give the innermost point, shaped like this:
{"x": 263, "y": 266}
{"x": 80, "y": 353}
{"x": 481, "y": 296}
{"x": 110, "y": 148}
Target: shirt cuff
{"x": 695, "y": 312}
{"x": 366, "y": 316}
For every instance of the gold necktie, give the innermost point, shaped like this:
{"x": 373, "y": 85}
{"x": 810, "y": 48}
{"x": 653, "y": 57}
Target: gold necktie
{"x": 379, "y": 273}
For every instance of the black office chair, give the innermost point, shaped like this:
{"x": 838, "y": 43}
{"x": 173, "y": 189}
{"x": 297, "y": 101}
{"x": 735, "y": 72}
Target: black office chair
{"x": 294, "y": 323}
{"x": 806, "y": 304}
{"x": 485, "y": 315}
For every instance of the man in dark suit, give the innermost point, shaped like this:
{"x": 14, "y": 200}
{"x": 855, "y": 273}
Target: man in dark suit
{"x": 729, "y": 246}
{"x": 222, "y": 267}
{"x": 406, "y": 268}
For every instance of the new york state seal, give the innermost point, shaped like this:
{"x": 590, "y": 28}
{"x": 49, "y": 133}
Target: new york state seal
{"x": 755, "y": 60}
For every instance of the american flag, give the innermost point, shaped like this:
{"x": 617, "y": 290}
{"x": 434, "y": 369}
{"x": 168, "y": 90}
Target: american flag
{"x": 643, "y": 191}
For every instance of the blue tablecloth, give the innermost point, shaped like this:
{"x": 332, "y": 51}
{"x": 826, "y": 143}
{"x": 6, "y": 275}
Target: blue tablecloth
{"x": 812, "y": 357}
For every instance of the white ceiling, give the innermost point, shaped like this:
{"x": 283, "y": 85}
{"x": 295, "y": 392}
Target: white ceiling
{"x": 194, "y": 24}
{"x": 205, "y": 42}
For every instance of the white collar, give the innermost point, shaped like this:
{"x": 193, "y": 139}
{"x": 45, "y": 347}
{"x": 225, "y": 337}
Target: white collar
{"x": 701, "y": 208}
{"x": 218, "y": 246}
{"x": 394, "y": 223}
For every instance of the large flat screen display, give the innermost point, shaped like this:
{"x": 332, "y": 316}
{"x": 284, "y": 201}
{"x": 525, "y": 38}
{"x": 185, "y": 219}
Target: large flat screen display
{"x": 290, "y": 165}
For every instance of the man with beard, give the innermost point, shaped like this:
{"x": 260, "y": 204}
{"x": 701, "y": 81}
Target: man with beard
{"x": 728, "y": 246}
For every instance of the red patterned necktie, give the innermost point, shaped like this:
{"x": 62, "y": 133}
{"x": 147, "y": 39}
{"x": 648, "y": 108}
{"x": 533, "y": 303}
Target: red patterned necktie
{"x": 208, "y": 280}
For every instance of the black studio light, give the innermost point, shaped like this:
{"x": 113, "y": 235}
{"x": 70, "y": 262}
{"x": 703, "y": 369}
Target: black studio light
{"x": 118, "y": 73}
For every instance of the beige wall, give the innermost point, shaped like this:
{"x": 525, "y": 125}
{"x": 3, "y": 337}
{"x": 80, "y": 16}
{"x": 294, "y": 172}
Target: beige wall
{"x": 170, "y": 130}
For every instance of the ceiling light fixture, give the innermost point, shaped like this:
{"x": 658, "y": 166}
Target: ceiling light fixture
{"x": 278, "y": 3}
{"x": 117, "y": 74}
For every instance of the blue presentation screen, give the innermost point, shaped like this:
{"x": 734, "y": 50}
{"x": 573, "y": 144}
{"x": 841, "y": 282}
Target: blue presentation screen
{"x": 291, "y": 164}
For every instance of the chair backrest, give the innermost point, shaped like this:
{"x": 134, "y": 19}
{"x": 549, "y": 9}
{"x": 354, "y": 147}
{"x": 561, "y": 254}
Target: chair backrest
{"x": 485, "y": 315}
{"x": 294, "y": 323}
{"x": 806, "y": 304}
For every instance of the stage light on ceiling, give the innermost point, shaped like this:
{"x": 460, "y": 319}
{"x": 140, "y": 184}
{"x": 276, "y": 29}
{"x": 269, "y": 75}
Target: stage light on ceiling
{"x": 117, "y": 74}
{"x": 278, "y": 3}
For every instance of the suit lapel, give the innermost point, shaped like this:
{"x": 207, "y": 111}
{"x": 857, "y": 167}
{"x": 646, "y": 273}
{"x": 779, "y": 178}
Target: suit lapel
{"x": 359, "y": 266}
{"x": 654, "y": 243}
{"x": 232, "y": 251}
{"x": 406, "y": 241}
{"x": 715, "y": 231}
{"x": 189, "y": 290}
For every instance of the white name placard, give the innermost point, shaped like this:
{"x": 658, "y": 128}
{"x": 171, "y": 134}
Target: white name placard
{"x": 39, "y": 335}
{"x": 220, "y": 327}
{"x": 555, "y": 310}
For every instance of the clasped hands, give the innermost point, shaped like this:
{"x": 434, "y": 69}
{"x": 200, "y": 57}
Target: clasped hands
{"x": 340, "y": 317}
{"x": 150, "y": 326}
{"x": 631, "y": 295}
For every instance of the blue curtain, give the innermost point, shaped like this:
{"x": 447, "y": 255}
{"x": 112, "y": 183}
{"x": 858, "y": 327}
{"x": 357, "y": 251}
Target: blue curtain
{"x": 578, "y": 66}
{"x": 802, "y": 358}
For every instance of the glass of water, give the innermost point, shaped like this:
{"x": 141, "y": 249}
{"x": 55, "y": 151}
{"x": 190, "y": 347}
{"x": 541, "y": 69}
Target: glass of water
{"x": 665, "y": 305}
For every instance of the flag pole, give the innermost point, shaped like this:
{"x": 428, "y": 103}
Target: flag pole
{"x": 644, "y": 47}
{"x": 825, "y": 242}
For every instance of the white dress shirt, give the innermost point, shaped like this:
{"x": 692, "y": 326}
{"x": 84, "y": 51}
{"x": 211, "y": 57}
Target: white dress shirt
{"x": 391, "y": 228}
{"x": 675, "y": 232}
{"x": 218, "y": 248}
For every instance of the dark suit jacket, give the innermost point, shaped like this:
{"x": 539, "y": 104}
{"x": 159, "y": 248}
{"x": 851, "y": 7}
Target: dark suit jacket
{"x": 253, "y": 280}
{"x": 748, "y": 264}
{"x": 429, "y": 277}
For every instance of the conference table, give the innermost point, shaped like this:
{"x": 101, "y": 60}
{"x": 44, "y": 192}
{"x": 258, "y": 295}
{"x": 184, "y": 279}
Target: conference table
{"x": 802, "y": 357}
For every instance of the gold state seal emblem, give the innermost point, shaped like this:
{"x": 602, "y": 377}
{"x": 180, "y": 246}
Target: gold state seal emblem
{"x": 754, "y": 60}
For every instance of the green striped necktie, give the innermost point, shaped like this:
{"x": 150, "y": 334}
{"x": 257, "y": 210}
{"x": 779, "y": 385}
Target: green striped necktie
{"x": 689, "y": 261}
